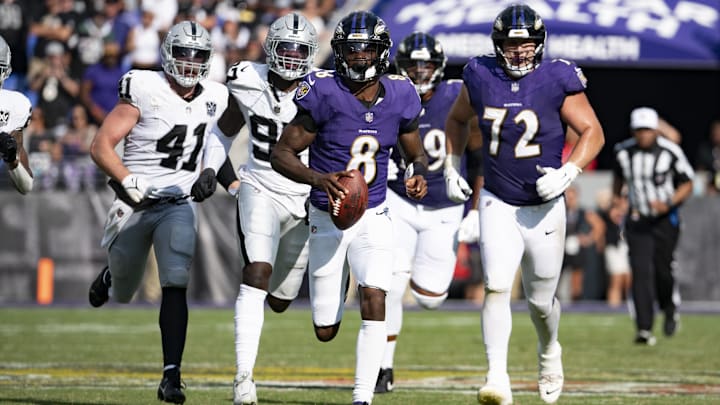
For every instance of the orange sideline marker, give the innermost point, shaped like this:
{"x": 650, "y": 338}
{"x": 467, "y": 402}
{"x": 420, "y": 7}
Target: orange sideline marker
{"x": 45, "y": 283}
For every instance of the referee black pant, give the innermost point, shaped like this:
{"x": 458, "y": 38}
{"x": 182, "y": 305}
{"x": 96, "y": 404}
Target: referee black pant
{"x": 652, "y": 242}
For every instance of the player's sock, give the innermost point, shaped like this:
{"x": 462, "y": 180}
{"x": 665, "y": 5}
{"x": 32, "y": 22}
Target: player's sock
{"x": 394, "y": 314}
{"x": 369, "y": 352}
{"x": 546, "y": 326}
{"x": 496, "y": 328}
{"x": 389, "y": 355}
{"x": 173, "y": 324}
{"x": 249, "y": 318}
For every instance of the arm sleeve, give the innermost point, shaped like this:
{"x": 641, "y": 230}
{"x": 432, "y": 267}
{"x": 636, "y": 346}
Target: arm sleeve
{"x": 226, "y": 175}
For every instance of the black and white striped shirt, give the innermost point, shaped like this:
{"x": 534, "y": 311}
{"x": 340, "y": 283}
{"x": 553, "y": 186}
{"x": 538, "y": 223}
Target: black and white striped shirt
{"x": 651, "y": 174}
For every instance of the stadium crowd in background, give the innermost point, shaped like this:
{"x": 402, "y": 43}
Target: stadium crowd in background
{"x": 69, "y": 54}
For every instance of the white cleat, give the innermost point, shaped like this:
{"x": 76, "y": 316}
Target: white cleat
{"x": 496, "y": 391}
{"x": 244, "y": 392}
{"x": 550, "y": 376}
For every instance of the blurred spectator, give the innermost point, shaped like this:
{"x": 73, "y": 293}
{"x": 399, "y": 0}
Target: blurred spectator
{"x": 143, "y": 44}
{"x": 42, "y": 149}
{"x": 707, "y": 157}
{"x": 15, "y": 19}
{"x": 55, "y": 23}
{"x": 78, "y": 169}
{"x": 92, "y": 33}
{"x": 99, "y": 92}
{"x": 668, "y": 131}
{"x": 202, "y": 11}
{"x": 121, "y": 21}
{"x": 584, "y": 238}
{"x": 57, "y": 90}
{"x": 617, "y": 261}
{"x": 164, "y": 12}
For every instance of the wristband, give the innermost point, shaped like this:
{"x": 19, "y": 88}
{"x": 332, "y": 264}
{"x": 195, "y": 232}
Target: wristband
{"x": 416, "y": 169}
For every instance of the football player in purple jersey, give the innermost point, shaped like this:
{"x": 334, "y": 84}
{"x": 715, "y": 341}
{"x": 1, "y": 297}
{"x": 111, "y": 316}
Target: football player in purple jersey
{"x": 351, "y": 118}
{"x": 524, "y": 105}
{"x": 425, "y": 231}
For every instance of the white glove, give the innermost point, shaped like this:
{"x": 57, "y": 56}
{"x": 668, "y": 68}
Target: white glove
{"x": 137, "y": 187}
{"x": 469, "y": 231}
{"x": 456, "y": 186}
{"x": 553, "y": 182}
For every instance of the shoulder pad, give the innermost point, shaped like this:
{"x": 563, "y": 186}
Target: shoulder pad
{"x": 247, "y": 75}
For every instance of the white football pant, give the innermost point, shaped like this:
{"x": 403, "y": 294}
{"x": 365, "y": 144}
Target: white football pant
{"x": 269, "y": 224}
{"x": 366, "y": 247}
{"x": 529, "y": 237}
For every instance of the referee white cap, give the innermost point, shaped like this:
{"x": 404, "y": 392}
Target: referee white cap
{"x": 643, "y": 117}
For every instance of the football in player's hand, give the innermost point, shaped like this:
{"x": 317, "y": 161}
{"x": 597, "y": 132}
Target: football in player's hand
{"x": 346, "y": 212}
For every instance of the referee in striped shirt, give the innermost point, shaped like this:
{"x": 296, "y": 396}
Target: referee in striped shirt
{"x": 658, "y": 178}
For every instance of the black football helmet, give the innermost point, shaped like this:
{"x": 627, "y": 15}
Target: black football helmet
{"x": 361, "y": 45}
{"x": 420, "y": 58}
{"x": 518, "y": 21}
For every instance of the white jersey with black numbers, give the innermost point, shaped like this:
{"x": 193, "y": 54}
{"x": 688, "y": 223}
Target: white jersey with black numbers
{"x": 266, "y": 110}
{"x": 15, "y": 110}
{"x": 165, "y": 146}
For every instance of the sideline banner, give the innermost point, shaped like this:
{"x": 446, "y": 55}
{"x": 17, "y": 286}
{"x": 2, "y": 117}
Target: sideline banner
{"x": 627, "y": 33}
{"x": 67, "y": 227}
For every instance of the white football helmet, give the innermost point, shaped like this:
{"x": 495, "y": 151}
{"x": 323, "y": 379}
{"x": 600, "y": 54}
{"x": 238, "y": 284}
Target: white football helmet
{"x": 5, "y": 68}
{"x": 186, "y": 53}
{"x": 291, "y": 45}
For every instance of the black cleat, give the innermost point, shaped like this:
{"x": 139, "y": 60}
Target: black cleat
{"x": 645, "y": 337}
{"x": 100, "y": 288}
{"x": 671, "y": 324}
{"x": 385, "y": 381}
{"x": 170, "y": 389}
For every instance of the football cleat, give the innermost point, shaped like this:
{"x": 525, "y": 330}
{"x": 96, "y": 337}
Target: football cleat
{"x": 244, "y": 392}
{"x": 385, "y": 381}
{"x": 671, "y": 324}
{"x": 170, "y": 389}
{"x": 496, "y": 391}
{"x": 645, "y": 337}
{"x": 99, "y": 292}
{"x": 550, "y": 379}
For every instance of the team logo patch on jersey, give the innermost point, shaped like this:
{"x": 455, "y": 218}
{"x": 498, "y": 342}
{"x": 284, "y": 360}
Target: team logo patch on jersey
{"x": 4, "y": 118}
{"x": 581, "y": 76}
{"x": 211, "y": 108}
{"x": 302, "y": 90}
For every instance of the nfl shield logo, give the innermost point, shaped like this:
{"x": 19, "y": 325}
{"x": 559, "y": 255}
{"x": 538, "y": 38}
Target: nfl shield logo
{"x": 369, "y": 116}
{"x": 515, "y": 87}
{"x": 211, "y": 108}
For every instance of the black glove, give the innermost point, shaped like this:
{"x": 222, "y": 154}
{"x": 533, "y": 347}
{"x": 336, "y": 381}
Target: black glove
{"x": 204, "y": 186}
{"x": 8, "y": 147}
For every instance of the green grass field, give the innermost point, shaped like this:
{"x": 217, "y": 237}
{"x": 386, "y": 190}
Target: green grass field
{"x": 112, "y": 355}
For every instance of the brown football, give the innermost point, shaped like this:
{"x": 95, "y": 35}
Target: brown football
{"x": 346, "y": 212}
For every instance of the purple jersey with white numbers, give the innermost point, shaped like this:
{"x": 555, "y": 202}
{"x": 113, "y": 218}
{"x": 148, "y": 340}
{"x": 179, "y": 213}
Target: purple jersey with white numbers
{"x": 520, "y": 122}
{"x": 432, "y": 133}
{"x": 350, "y": 134}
